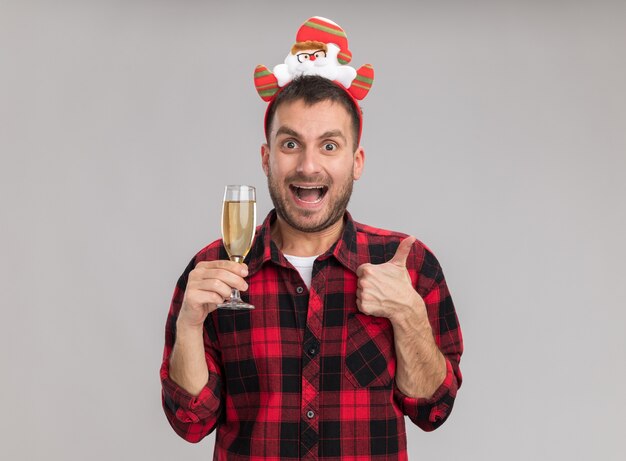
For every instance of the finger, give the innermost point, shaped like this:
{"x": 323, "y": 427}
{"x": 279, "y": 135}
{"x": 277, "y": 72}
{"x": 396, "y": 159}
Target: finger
{"x": 402, "y": 253}
{"x": 219, "y": 287}
{"x": 206, "y": 299}
{"x": 203, "y": 273}
{"x": 201, "y": 300}
{"x": 208, "y": 276}
{"x": 362, "y": 283}
{"x": 363, "y": 269}
{"x": 235, "y": 268}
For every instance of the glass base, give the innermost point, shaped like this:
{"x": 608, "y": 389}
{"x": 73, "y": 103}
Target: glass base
{"x": 235, "y": 304}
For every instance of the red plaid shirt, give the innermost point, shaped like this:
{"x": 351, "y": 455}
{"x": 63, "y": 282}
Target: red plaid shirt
{"x": 305, "y": 374}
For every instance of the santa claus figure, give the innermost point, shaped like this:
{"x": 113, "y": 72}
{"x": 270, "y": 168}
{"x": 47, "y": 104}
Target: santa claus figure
{"x": 321, "y": 48}
{"x": 314, "y": 58}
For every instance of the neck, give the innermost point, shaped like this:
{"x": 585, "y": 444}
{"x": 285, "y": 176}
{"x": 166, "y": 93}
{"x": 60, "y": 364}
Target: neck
{"x": 297, "y": 243}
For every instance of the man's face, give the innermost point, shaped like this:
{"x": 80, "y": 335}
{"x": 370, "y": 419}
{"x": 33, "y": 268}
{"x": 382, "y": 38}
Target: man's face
{"x": 310, "y": 163}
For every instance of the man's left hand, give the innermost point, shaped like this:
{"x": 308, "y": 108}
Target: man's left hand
{"x": 385, "y": 290}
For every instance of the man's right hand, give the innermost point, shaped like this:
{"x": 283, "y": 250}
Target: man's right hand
{"x": 209, "y": 284}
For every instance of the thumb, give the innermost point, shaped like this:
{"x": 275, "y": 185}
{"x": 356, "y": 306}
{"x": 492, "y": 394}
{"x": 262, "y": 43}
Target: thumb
{"x": 399, "y": 259}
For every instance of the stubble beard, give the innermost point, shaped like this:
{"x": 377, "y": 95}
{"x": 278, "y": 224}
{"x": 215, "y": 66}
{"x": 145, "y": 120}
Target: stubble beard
{"x": 334, "y": 213}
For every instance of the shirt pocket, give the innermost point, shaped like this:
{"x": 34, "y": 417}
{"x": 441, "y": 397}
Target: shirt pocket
{"x": 370, "y": 356}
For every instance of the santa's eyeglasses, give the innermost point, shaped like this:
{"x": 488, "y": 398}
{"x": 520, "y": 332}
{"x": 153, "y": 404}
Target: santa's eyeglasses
{"x": 302, "y": 57}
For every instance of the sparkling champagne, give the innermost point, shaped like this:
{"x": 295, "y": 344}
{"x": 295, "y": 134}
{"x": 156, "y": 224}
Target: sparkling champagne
{"x": 238, "y": 225}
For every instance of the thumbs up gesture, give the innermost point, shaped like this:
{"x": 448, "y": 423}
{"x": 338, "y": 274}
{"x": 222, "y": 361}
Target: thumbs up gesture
{"x": 385, "y": 290}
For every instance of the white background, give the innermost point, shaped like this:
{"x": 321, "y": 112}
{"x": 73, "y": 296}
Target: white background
{"x": 495, "y": 132}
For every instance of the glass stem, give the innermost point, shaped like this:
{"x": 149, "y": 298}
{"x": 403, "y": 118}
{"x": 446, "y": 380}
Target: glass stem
{"x": 234, "y": 293}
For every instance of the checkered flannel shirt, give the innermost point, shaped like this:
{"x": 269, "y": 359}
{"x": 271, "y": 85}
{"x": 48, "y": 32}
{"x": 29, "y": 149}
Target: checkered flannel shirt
{"x": 305, "y": 375}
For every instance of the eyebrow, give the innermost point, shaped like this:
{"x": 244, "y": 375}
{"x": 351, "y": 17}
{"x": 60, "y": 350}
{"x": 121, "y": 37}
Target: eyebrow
{"x": 334, "y": 134}
{"x": 288, "y": 131}
{"x": 285, "y": 130}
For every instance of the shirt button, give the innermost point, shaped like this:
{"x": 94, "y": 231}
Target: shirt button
{"x": 310, "y": 414}
{"x": 299, "y": 290}
{"x": 312, "y": 351}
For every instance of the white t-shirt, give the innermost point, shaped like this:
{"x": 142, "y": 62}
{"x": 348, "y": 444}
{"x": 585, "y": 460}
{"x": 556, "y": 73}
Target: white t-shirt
{"x": 304, "y": 264}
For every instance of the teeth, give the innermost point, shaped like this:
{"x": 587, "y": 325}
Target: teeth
{"x": 321, "y": 192}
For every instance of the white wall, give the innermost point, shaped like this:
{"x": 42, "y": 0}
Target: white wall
{"x": 497, "y": 128}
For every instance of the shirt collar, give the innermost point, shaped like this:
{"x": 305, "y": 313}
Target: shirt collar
{"x": 264, "y": 249}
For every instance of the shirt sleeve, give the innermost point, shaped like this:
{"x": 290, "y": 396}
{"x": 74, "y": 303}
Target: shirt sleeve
{"x": 192, "y": 417}
{"x": 430, "y": 413}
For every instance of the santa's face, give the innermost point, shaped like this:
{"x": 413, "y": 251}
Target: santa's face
{"x": 311, "y": 61}
{"x": 311, "y": 164}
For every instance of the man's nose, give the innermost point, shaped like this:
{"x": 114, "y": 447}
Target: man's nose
{"x": 308, "y": 163}
{"x": 312, "y": 57}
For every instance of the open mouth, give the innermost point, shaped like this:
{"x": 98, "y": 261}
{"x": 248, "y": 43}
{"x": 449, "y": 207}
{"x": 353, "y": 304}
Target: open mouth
{"x": 309, "y": 194}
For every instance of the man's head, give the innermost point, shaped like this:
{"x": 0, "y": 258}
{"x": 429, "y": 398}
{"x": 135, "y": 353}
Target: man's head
{"x": 312, "y": 90}
{"x": 312, "y": 155}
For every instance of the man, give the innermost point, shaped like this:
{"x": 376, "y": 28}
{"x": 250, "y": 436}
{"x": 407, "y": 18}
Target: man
{"x": 354, "y": 327}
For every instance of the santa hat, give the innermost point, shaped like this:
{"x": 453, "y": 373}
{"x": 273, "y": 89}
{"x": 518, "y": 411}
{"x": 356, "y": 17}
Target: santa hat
{"x": 324, "y": 30}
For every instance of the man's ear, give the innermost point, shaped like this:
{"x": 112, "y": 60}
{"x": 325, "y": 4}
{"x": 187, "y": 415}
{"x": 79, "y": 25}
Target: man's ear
{"x": 265, "y": 158}
{"x": 359, "y": 163}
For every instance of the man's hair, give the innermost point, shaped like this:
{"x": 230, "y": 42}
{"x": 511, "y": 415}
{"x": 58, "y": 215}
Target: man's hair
{"x": 313, "y": 89}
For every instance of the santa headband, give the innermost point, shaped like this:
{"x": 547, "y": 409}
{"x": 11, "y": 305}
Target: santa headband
{"x": 321, "y": 48}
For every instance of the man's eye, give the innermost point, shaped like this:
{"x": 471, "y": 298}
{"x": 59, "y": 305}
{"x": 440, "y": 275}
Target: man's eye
{"x": 330, "y": 147}
{"x": 290, "y": 144}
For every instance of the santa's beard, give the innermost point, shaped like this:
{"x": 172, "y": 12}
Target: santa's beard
{"x": 303, "y": 220}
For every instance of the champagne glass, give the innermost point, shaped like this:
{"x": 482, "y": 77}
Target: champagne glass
{"x": 238, "y": 226}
